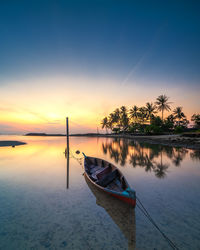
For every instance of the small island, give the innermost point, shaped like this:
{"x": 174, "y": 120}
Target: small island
{"x": 43, "y": 134}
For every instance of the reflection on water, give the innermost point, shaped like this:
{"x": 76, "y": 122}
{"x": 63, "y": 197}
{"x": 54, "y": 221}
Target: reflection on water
{"x": 37, "y": 211}
{"x": 121, "y": 213}
{"x": 147, "y": 156}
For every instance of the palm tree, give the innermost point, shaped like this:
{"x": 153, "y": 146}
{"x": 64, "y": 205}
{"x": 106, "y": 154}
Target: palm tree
{"x": 134, "y": 113}
{"x": 142, "y": 114}
{"x": 150, "y": 110}
{"x": 116, "y": 117}
{"x": 111, "y": 120}
{"x": 124, "y": 120}
{"x": 178, "y": 114}
{"x": 196, "y": 119}
{"x": 163, "y": 104}
{"x": 105, "y": 124}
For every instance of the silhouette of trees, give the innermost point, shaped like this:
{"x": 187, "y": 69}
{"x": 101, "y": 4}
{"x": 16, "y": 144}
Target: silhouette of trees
{"x": 150, "y": 110}
{"x": 196, "y": 119}
{"x": 134, "y": 111}
{"x": 145, "y": 119}
{"x": 163, "y": 104}
{"x": 105, "y": 124}
{"x": 180, "y": 117}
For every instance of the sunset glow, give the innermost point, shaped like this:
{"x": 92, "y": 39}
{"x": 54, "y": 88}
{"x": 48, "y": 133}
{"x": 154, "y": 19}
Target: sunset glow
{"x": 90, "y": 66}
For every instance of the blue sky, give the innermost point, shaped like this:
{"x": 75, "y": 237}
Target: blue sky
{"x": 152, "y": 45}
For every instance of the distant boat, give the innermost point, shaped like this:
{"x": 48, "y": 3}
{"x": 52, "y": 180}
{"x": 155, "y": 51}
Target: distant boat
{"x": 122, "y": 214}
{"x": 108, "y": 178}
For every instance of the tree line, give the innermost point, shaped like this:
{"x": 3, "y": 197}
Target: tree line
{"x": 145, "y": 119}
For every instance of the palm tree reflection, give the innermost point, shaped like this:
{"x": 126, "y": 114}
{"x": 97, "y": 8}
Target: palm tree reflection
{"x": 195, "y": 155}
{"x": 160, "y": 170}
{"x": 178, "y": 156}
{"x": 147, "y": 156}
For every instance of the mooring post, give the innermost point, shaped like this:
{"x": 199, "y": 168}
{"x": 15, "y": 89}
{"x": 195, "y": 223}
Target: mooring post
{"x": 67, "y": 136}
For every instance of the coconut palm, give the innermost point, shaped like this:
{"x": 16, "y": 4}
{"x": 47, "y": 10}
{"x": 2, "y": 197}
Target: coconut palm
{"x": 142, "y": 114}
{"x": 116, "y": 117}
{"x": 196, "y": 119}
{"x": 178, "y": 114}
{"x": 111, "y": 120}
{"x": 150, "y": 110}
{"x": 163, "y": 104}
{"x": 124, "y": 120}
{"x": 105, "y": 124}
{"x": 134, "y": 113}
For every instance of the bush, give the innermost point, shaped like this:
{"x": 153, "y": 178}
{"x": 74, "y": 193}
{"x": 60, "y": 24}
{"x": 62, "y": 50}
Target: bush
{"x": 116, "y": 130}
{"x": 156, "y": 121}
{"x": 135, "y": 128}
{"x": 178, "y": 130}
{"x": 153, "y": 129}
{"x": 132, "y": 129}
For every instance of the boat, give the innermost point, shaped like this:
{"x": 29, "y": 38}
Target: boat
{"x": 108, "y": 178}
{"x": 121, "y": 213}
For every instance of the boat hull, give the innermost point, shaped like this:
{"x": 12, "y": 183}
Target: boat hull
{"x": 131, "y": 201}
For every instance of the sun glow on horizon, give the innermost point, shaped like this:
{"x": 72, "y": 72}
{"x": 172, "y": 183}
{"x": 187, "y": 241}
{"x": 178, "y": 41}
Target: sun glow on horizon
{"x": 43, "y": 103}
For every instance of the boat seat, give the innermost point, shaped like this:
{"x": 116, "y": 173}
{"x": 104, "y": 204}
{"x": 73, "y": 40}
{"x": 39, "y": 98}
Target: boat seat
{"x": 103, "y": 172}
{"x": 107, "y": 179}
{"x": 93, "y": 169}
{"x": 99, "y": 172}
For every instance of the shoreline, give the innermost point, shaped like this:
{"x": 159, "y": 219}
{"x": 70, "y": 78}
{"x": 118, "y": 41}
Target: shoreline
{"x": 166, "y": 140}
{"x": 177, "y": 140}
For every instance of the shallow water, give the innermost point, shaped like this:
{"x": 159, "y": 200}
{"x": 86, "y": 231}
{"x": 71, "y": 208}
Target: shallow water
{"x": 38, "y": 211}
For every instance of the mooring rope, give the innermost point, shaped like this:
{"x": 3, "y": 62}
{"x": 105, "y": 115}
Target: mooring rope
{"x": 145, "y": 212}
{"x": 78, "y": 159}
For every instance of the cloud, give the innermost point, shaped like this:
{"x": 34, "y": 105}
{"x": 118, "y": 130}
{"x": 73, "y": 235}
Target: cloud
{"x": 145, "y": 55}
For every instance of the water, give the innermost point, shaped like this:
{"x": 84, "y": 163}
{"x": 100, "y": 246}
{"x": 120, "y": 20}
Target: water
{"x": 37, "y": 211}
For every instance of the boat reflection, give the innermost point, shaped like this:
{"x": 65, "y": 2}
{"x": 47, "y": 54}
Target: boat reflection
{"x": 152, "y": 157}
{"x": 122, "y": 214}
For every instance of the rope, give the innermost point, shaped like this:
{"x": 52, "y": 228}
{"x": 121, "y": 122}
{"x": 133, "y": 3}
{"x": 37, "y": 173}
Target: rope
{"x": 145, "y": 212}
{"x": 71, "y": 155}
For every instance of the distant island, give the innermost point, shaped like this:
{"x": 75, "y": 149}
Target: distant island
{"x": 90, "y": 134}
{"x": 43, "y": 134}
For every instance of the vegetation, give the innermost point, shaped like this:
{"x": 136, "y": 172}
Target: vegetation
{"x": 196, "y": 119}
{"x": 146, "y": 121}
{"x": 163, "y": 104}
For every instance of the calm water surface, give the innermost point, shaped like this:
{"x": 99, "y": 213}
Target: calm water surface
{"x": 38, "y": 211}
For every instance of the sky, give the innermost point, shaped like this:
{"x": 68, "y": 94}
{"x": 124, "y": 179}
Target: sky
{"x": 83, "y": 59}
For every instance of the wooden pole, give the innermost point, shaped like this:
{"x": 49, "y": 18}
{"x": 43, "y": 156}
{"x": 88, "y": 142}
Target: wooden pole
{"x": 67, "y": 132}
{"x": 67, "y": 136}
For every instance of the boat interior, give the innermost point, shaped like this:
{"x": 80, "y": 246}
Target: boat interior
{"x": 105, "y": 174}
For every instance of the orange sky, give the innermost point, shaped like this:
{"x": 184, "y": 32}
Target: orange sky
{"x": 41, "y": 104}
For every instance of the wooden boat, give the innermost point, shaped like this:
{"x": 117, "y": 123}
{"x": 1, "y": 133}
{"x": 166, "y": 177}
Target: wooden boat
{"x": 121, "y": 213}
{"x": 109, "y": 179}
